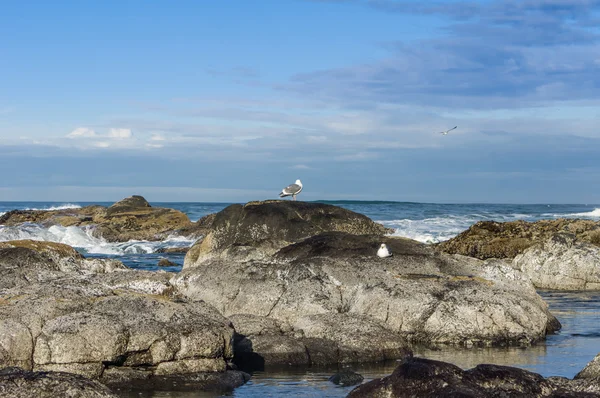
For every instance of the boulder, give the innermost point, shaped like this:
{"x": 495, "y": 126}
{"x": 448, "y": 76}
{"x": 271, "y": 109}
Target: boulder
{"x": 93, "y": 323}
{"x": 420, "y": 377}
{"x": 19, "y": 383}
{"x": 257, "y": 230}
{"x": 491, "y": 239}
{"x": 346, "y": 377}
{"x": 129, "y": 219}
{"x": 332, "y": 287}
{"x": 165, "y": 262}
{"x": 136, "y": 381}
{"x": 26, "y": 261}
{"x": 561, "y": 262}
{"x": 591, "y": 370}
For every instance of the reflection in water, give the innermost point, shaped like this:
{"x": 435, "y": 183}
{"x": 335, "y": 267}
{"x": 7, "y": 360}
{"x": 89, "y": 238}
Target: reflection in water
{"x": 563, "y": 354}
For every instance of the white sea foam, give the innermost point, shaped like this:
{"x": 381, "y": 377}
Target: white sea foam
{"x": 439, "y": 229}
{"x": 82, "y": 238}
{"x": 588, "y": 214}
{"x": 59, "y": 207}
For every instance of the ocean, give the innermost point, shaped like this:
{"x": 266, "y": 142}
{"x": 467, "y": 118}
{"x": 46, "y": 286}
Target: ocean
{"x": 563, "y": 354}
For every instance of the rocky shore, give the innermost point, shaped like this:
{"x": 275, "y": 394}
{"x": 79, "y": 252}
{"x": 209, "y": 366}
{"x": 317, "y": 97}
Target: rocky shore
{"x": 132, "y": 218}
{"x": 282, "y": 283}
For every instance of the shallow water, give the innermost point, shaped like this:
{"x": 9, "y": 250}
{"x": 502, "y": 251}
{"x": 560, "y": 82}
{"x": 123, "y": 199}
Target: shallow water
{"x": 563, "y": 354}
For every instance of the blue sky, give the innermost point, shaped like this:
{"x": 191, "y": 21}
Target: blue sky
{"x": 232, "y": 100}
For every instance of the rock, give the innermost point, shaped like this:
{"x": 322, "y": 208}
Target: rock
{"x": 316, "y": 340}
{"x": 346, "y": 377}
{"x": 19, "y": 383}
{"x": 199, "y": 228}
{"x": 561, "y": 263}
{"x": 257, "y": 230}
{"x": 23, "y": 262}
{"x": 131, "y": 203}
{"x": 420, "y": 377}
{"x": 172, "y": 250}
{"x": 333, "y": 287}
{"x": 591, "y": 370}
{"x": 129, "y": 219}
{"x": 491, "y": 239}
{"x": 136, "y": 381}
{"x": 165, "y": 262}
{"x": 86, "y": 323}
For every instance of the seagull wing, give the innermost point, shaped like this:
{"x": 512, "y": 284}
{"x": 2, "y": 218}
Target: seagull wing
{"x": 290, "y": 190}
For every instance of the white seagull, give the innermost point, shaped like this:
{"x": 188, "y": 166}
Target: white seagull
{"x": 447, "y": 131}
{"x": 383, "y": 251}
{"x": 292, "y": 190}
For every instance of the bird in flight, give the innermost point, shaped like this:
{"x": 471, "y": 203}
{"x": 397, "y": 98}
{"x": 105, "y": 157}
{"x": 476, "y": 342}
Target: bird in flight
{"x": 447, "y": 131}
{"x": 292, "y": 190}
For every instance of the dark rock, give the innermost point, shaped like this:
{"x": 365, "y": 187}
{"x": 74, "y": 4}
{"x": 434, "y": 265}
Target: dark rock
{"x": 346, "y": 377}
{"x": 132, "y": 202}
{"x": 217, "y": 382}
{"x": 259, "y": 229}
{"x": 419, "y": 377}
{"x": 19, "y": 383}
{"x": 165, "y": 262}
{"x": 173, "y": 250}
{"x": 491, "y": 239}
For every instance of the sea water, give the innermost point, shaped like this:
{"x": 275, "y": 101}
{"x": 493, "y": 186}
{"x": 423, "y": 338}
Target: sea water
{"x": 562, "y": 354}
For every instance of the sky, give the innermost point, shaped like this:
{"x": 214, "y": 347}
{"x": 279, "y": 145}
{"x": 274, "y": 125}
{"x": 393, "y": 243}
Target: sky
{"x": 232, "y": 100}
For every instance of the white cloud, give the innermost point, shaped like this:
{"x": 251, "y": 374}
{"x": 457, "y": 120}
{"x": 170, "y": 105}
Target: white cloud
{"x": 154, "y": 145}
{"x": 120, "y": 134}
{"x": 300, "y": 167}
{"x": 102, "y": 144}
{"x": 157, "y": 137}
{"x": 81, "y": 132}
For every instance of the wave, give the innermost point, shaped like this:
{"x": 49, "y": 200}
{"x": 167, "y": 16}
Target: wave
{"x": 589, "y": 214}
{"x": 59, "y": 207}
{"x": 82, "y": 239}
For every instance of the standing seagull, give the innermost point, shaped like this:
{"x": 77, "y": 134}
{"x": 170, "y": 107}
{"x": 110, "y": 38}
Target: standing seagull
{"x": 292, "y": 190}
{"x": 447, "y": 131}
{"x": 384, "y": 251}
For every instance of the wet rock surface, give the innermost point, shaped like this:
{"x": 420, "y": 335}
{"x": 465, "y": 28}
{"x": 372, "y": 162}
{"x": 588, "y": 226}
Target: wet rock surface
{"x": 419, "y": 377}
{"x": 491, "y": 239}
{"x": 19, "y": 383}
{"x": 346, "y": 377}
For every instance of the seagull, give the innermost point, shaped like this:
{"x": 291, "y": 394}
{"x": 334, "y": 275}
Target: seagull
{"x": 383, "y": 251}
{"x": 292, "y": 190}
{"x": 447, "y": 131}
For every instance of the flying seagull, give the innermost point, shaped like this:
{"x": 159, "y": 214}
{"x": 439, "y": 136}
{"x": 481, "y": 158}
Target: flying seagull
{"x": 384, "y": 251}
{"x": 447, "y": 131}
{"x": 292, "y": 190}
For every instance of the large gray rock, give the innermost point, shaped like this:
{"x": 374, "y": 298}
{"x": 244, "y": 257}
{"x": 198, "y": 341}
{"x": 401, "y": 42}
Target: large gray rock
{"x": 333, "y": 286}
{"x": 19, "y": 383}
{"x": 257, "y": 230}
{"x": 419, "y": 377}
{"x": 561, "y": 262}
{"x": 91, "y": 323}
